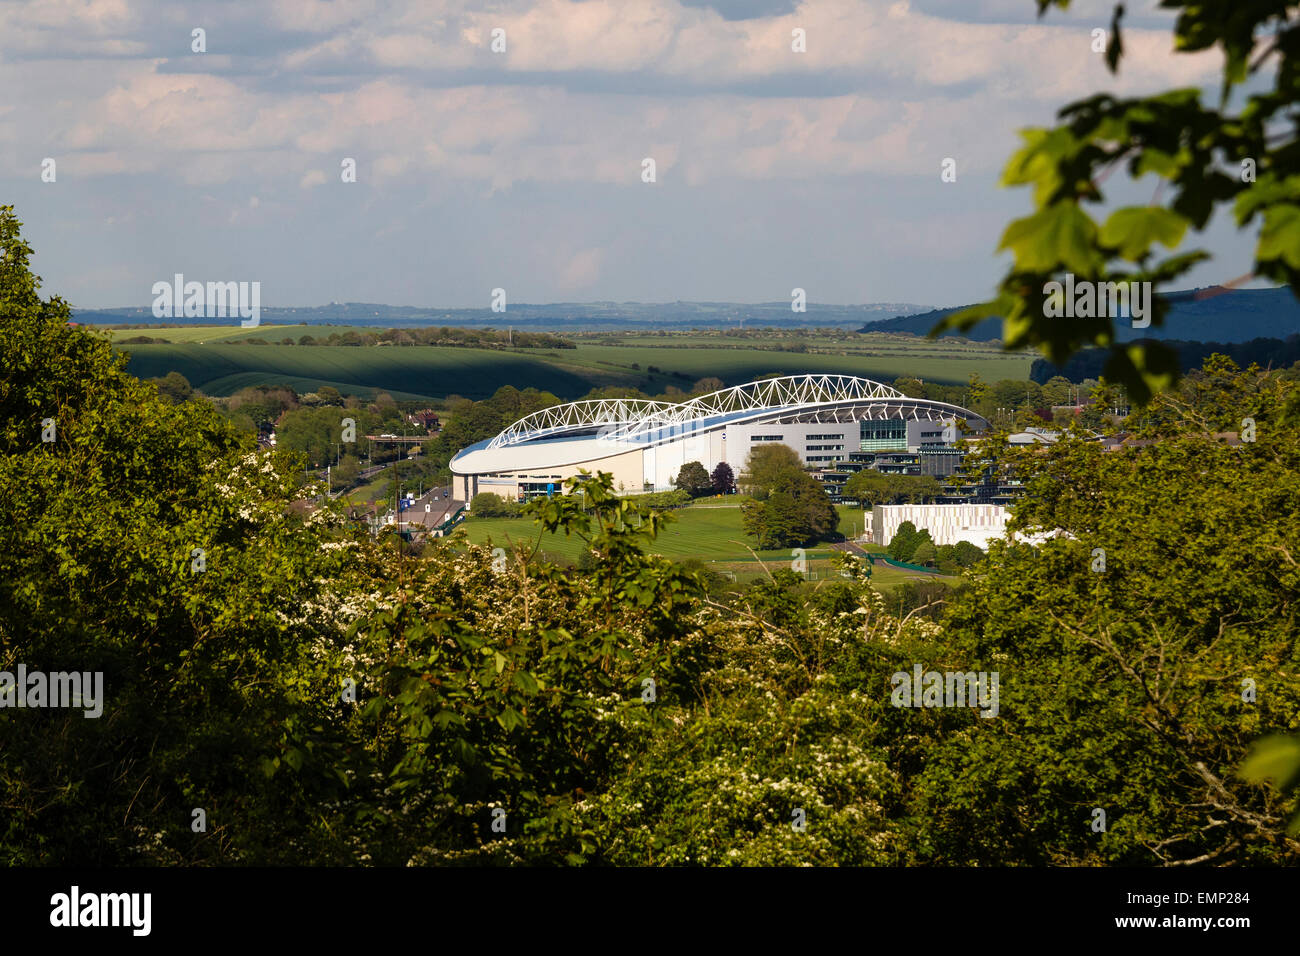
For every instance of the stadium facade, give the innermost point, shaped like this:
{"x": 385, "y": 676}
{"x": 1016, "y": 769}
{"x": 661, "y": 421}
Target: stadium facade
{"x": 644, "y": 444}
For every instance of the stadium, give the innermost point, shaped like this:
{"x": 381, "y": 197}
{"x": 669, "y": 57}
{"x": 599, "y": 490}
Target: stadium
{"x": 644, "y": 443}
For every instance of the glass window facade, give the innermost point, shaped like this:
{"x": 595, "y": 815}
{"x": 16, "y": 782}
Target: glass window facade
{"x": 888, "y": 434}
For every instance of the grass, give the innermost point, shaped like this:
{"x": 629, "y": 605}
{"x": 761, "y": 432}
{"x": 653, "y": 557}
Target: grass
{"x": 709, "y": 531}
{"x": 431, "y": 373}
{"x": 370, "y": 492}
{"x": 418, "y": 372}
{"x": 706, "y": 533}
{"x": 200, "y": 334}
{"x": 735, "y": 366}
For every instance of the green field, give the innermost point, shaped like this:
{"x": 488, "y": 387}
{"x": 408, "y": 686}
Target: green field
{"x": 417, "y": 373}
{"x": 198, "y": 334}
{"x": 709, "y": 530}
{"x": 431, "y": 373}
{"x": 706, "y": 531}
{"x": 370, "y": 492}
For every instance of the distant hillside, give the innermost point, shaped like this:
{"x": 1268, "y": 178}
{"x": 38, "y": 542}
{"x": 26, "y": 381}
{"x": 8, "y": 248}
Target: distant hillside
{"x": 1266, "y": 353}
{"x": 555, "y": 317}
{"x": 1238, "y": 315}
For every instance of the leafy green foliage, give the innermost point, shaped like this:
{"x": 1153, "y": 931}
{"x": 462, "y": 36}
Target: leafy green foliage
{"x": 693, "y": 479}
{"x": 1276, "y": 760}
{"x": 765, "y": 464}
{"x": 1209, "y": 157}
{"x": 876, "y": 488}
{"x": 955, "y": 557}
{"x": 175, "y": 386}
{"x": 925, "y": 552}
{"x": 487, "y": 505}
{"x": 796, "y": 511}
{"x": 203, "y": 671}
{"x": 330, "y": 698}
{"x": 905, "y": 541}
{"x": 1130, "y": 689}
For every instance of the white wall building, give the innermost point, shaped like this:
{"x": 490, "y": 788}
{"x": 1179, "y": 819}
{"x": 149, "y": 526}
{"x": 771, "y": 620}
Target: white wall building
{"x": 947, "y": 524}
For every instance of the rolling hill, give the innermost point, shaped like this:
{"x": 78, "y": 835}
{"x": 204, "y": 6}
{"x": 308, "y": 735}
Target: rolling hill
{"x": 1237, "y": 315}
{"x": 433, "y": 372}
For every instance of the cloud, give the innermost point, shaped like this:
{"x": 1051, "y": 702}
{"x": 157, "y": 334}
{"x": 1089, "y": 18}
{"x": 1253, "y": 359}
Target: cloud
{"x": 452, "y": 139}
{"x": 582, "y": 270}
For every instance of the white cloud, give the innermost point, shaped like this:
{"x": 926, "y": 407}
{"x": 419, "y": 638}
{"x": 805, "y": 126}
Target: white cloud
{"x": 585, "y": 91}
{"x": 582, "y": 270}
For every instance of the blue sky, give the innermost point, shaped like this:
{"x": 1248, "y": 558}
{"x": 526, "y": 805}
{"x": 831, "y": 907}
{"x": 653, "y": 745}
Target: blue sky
{"x": 523, "y": 169}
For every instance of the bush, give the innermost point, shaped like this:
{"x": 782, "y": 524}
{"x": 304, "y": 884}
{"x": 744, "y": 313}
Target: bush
{"x": 904, "y": 542}
{"x": 665, "y": 499}
{"x": 925, "y": 553}
{"x": 487, "y": 505}
{"x": 797, "y": 512}
{"x": 693, "y": 479}
{"x": 723, "y": 479}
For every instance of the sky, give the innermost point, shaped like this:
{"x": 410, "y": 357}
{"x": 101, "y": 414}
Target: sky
{"x": 523, "y": 169}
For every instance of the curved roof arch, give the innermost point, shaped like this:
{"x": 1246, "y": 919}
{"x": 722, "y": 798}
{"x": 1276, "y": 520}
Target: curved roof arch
{"x": 590, "y": 430}
{"x": 789, "y": 393}
{"x": 627, "y": 418}
{"x": 577, "y": 416}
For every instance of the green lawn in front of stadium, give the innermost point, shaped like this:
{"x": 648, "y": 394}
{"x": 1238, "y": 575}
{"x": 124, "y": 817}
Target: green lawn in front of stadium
{"x": 708, "y": 530}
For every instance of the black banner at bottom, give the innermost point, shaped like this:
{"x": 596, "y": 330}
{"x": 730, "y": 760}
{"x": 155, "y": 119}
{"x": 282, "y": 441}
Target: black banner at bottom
{"x": 324, "y": 905}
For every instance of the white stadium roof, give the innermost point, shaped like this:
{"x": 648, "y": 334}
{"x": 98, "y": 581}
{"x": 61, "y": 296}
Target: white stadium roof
{"x": 579, "y": 432}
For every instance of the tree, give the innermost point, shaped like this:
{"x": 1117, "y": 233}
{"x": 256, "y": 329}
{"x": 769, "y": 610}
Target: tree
{"x": 175, "y": 386}
{"x": 763, "y": 466}
{"x": 904, "y": 541}
{"x": 876, "y": 488}
{"x": 976, "y": 393}
{"x": 917, "y": 489}
{"x": 1013, "y": 394}
{"x": 693, "y": 479}
{"x": 775, "y": 522}
{"x": 1058, "y": 391}
{"x": 925, "y": 553}
{"x": 1205, "y": 591}
{"x": 817, "y": 512}
{"x": 910, "y": 385}
{"x": 317, "y": 433}
{"x": 347, "y": 470}
{"x": 966, "y": 554}
{"x": 487, "y": 505}
{"x": 796, "y": 512}
{"x": 722, "y": 479}
{"x": 222, "y": 652}
{"x": 870, "y": 487}
{"x": 708, "y": 384}
{"x": 1241, "y": 154}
